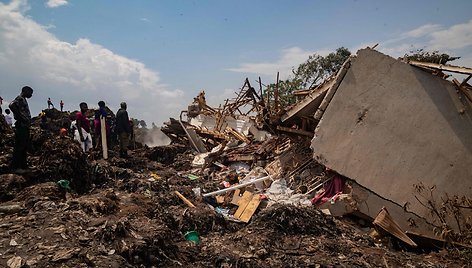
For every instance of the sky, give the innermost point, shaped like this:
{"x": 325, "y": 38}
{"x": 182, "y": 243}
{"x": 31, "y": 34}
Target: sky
{"x": 158, "y": 55}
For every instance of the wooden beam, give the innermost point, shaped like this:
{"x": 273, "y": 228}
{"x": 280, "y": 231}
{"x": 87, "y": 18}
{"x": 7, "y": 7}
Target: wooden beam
{"x": 466, "y": 80}
{"x": 276, "y": 96}
{"x": 260, "y": 89}
{"x": 250, "y": 208}
{"x": 243, "y": 202}
{"x": 237, "y": 158}
{"x": 466, "y": 92}
{"x": 332, "y": 90}
{"x": 442, "y": 67}
{"x": 104, "y": 137}
{"x": 186, "y": 201}
{"x": 295, "y": 131}
{"x": 388, "y": 224}
{"x": 238, "y": 135}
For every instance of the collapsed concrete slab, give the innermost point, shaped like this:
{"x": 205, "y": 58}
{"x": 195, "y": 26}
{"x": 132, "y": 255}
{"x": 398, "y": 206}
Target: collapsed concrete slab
{"x": 390, "y": 126}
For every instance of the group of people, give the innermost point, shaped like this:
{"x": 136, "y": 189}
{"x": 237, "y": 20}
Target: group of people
{"x": 83, "y": 131}
{"x": 81, "y": 127}
{"x": 50, "y": 104}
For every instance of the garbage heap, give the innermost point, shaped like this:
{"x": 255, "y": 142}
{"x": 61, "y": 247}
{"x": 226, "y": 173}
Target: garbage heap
{"x": 237, "y": 187}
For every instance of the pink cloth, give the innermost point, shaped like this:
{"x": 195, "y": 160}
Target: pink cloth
{"x": 84, "y": 122}
{"x": 332, "y": 188}
{"x": 97, "y": 127}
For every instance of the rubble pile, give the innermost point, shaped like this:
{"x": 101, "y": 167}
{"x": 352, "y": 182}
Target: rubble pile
{"x": 237, "y": 187}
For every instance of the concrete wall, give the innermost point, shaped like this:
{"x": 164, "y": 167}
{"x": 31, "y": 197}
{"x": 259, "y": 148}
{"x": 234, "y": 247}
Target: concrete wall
{"x": 391, "y": 125}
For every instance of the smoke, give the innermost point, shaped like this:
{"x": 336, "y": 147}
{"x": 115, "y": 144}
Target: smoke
{"x": 153, "y": 137}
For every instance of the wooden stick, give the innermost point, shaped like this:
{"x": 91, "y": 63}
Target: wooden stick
{"x": 260, "y": 88}
{"x": 104, "y": 137}
{"x": 186, "y": 201}
{"x": 276, "y": 95}
{"x": 466, "y": 80}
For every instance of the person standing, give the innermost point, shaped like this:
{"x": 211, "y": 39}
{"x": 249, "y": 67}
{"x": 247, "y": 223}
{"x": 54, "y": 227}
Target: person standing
{"x": 19, "y": 107}
{"x": 61, "y": 104}
{"x": 50, "y": 103}
{"x": 82, "y": 131}
{"x": 8, "y": 117}
{"x": 101, "y": 112}
{"x": 123, "y": 129}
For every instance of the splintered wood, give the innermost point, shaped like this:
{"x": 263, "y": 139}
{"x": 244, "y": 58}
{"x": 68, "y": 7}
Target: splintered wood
{"x": 248, "y": 204}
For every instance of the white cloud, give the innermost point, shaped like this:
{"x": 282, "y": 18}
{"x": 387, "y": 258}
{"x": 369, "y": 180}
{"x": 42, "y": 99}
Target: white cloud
{"x": 456, "y": 36}
{"x": 289, "y": 59}
{"x": 145, "y": 19}
{"x": 455, "y": 40}
{"x": 423, "y": 30}
{"x": 56, "y": 3}
{"x": 214, "y": 100}
{"x": 75, "y": 72}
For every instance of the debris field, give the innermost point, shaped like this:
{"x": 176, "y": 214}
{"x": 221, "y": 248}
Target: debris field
{"x": 240, "y": 185}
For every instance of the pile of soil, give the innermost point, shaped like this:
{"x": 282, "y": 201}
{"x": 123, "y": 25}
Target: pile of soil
{"x": 125, "y": 213}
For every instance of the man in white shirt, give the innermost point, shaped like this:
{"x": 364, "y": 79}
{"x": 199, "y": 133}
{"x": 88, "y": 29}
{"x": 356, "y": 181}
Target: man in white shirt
{"x": 8, "y": 117}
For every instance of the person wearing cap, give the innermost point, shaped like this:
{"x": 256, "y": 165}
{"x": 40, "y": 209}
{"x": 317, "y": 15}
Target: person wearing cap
{"x": 123, "y": 129}
{"x": 21, "y": 112}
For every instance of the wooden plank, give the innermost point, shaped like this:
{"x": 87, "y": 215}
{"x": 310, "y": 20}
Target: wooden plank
{"x": 466, "y": 80}
{"x": 332, "y": 90}
{"x": 296, "y": 131}
{"x": 251, "y": 208}
{"x": 309, "y": 104}
{"x": 196, "y": 140}
{"x": 466, "y": 92}
{"x": 238, "y": 135}
{"x": 386, "y": 222}
{"x": 236, "y": 158}
{"x": 186, "y": 201}
{"x": 276, "y": 94}
{"x": 442, "y": 67}
{"x": 103, "y": 133}
{"x": 429, "y": 241}
{"x": 236, "y": 197}
{"x": 243, "y": 202}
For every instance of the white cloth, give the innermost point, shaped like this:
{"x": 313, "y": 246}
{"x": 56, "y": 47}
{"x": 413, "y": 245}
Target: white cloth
{"x": 9, "y": 119}
{"x": 87, "y": 144}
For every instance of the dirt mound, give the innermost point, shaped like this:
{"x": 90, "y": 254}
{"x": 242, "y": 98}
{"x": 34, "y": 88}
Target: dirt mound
{"x": 289, "y": 219}
{"x": 62, "y": 158}
{"x": 10, "y": 185}
{"x": 166, "y": 154}
{"x": 40, "y": 192}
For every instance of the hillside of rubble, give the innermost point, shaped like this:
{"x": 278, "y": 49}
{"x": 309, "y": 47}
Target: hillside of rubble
{"x": 125, "y": 212}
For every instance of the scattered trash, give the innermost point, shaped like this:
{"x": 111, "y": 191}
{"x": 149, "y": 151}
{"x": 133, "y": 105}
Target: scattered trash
{"x": 15, "y": 262}
{"x": 193, "y": 237}
{"x": 247, "y": 181}
{"x": 193, "y": 177}
{"x": 64, "y": 184}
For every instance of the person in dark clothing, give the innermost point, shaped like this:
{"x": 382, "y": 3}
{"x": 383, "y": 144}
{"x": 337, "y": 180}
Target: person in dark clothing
{"x": 101, "y": 112}
{"x": 19, "y": 107}
{"x": 50, "y": 103}
{"x": 123, "y": 129}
